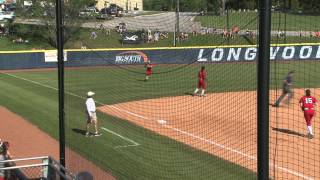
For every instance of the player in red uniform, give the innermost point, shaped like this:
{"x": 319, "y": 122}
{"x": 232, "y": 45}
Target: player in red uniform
{"x": 202, "y": 75}
{"x": 307, "y": 104}
{"x": 148, "y": 70}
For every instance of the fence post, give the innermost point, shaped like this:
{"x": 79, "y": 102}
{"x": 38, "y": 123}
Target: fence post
{"x": 263, "y": 89}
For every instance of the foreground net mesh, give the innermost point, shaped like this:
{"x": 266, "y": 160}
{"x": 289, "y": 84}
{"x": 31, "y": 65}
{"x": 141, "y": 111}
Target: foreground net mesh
{"x": 292, "y": 151}
{"x": 157, "y": 126}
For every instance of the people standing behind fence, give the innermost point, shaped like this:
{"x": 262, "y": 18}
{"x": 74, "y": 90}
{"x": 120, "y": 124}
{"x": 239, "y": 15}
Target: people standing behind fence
{"x": 234, "y": 31}
{"x": 156, "y": 36}
{"x": 149, "y": 36}
{"x": 2, "y": 164}
{"x": 83, "y": 46}
{"x": 164, "y": 35}
{"x": 4, "y": 155}
{"x": 184, "y": 36}
{"x": 225, "y": 33}
{"x": 316, "y": 34}
{"x": 93, "y": 35}
{"x": 281, "y": 34}
{"x": 2, "y": 29}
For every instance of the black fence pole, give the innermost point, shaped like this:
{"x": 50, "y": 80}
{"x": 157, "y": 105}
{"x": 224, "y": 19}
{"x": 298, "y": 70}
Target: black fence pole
{"x": 59, "y": 26}
{"x": 178, "y": 22}
{"x": 263, "y": 88}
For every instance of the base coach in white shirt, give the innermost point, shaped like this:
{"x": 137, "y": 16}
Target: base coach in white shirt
{"x": 91, "y": 113}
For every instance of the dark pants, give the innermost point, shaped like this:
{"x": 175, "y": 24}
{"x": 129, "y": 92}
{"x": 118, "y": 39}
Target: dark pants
{"x": 284, "y": 93}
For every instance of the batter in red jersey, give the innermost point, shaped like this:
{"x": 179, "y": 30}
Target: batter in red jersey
{"x": 307, "y": 104}
{"x": 148, "y": 70}
{"x": 202, "y": 75}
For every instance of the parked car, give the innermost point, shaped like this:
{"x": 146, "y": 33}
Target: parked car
{"x": 105, "y": 13}
{"x": 7, "y": 15}
{"x": 116, "y": 10}
{"x": 89, "y": 12}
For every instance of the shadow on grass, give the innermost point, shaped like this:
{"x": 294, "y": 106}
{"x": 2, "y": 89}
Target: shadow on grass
{"x": 288, "y": 131}
{"x": 188, "y": 93}
{"x": 79, "y": 131}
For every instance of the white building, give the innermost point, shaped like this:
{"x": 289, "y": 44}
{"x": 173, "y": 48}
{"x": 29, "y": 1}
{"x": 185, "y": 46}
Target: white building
{"x": 129, "y": 5}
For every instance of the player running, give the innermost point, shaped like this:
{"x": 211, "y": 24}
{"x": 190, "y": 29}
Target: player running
{"x": 148, "y": 70}
{"x": 286, "y": 89}
{"x": 202, "y": 75}
{"x": 307, "y": 104}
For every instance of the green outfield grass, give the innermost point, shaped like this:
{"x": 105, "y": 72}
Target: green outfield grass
{"x": 248, "y": 20}
{"x": 157, "y": 157}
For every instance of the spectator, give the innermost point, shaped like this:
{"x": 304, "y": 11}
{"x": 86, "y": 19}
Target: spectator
{"x": 281, "y": 33}
{"x": 149, "y": 36}
{"x": 93, "y": 35}
{"x": 2, "y": 165}
{"x": 248, "y": 33}
{"x": 101, "y": 27}
{"x": 4, "y": 155}
{"x": 234, "y": 31}
{"x": 156, "y": 36}
{"x": 225, "y": 33}
{"x": 207, "y": 30}
{"x": 300, "y": 33}
{"x": 194, "y": 33}
{"x": 164, "y": 35}
{"x": 182, "y": 37}
{"x": 317, "y": 34}
{"x": 2, "y": 29}
{"x": 203, "y": 31}
{"x": 19, "y": 40}
{"x": 83, "y": 46}
{"x": 108, "y": 32}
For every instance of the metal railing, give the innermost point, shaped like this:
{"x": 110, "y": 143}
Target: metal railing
{"x": 44, "y": 168}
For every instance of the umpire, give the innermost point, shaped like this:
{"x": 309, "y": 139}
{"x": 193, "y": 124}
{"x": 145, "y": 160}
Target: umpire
{"x": 286, "y": 89}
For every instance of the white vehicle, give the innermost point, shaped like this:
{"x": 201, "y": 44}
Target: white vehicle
{"x": 132, "y": 38}
{"x": 89, "y": 12}
{"x": 4, "y": 15}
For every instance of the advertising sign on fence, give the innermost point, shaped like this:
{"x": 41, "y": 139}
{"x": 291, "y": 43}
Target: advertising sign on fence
{"x": 180, "y": 55}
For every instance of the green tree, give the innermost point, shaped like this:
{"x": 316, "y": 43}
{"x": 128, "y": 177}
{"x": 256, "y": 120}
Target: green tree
{"x": 310, "y": 6}
{"x": 45, "y": 13}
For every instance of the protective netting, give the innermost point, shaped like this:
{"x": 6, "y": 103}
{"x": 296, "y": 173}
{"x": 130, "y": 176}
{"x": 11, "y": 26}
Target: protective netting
{"x": 162, "y": 124}
{"x": 143, "y": 66}
{"x": 294, "y": 149}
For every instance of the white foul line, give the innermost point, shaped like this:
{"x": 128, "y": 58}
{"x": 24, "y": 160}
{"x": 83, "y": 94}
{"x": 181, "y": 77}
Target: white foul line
{"x": 75, "y": 95}
{"x": 174, "y": 129}
{"x": 122, "y": 137}
{"x": 211, "y": 142}
{"x": 220, "y": 145}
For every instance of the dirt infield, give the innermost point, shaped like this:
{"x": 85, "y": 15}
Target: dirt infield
{"x": 224, "y": 124}
{"x": 26, "y": 140}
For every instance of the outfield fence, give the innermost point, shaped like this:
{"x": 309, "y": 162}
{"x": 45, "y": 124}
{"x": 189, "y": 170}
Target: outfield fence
{"x": 181, "y": 55}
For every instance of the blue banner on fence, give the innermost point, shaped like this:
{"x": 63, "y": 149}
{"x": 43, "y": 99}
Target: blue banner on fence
{"x": 192, "y": 55}
{"x": 160, "y": 56}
